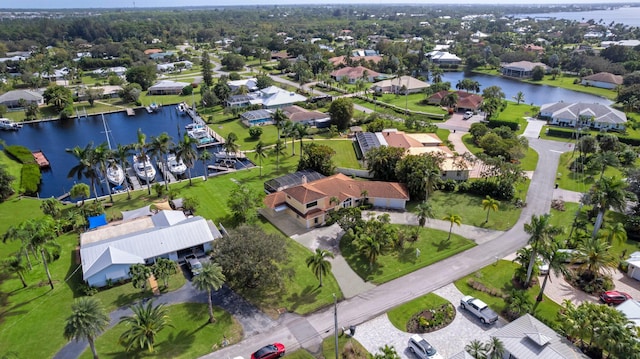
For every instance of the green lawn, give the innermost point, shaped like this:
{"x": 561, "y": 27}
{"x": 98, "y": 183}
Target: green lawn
{"x": 576, "y": 181}
{"x": 530, "y": 160}
{"x": 345, "y": 154}
{"x": 517, "y": 113}
{"x": 499, "y": 276}
{"x": 13, "y": 168}
{"x": 299, "y": 354}
{"x": 411, "y": 102}
{"x": 400, "y": 315}
{"x": 469, "y": 207}
{"x": 329, "y": 347}
{"x": 432, "y": 244}
{"x": 191, "y": 335}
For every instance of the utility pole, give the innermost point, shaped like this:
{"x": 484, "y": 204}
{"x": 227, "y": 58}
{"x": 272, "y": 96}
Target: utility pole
{"x": 335, "y": 322}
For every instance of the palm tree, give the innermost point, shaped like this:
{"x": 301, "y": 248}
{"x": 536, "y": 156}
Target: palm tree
{"x": 230, "y": 144}
{"x": 260, "y": 152}
{"x": 319, "y": 264}
{"x": 371, "y": 247}
{"x": 519, "y": 97}
{"x": 424, "y": 210}
{"x": 557, "y": 264}
{"x": 87, "y": 320}
{"x": 143, "y": 326}
{"x": 122, "y": 154}
{"x": 432, "y": 178}
{"x": 278, "y": 149}
{"x": 614, "y": 232}
{"x": 139, "y": 274}
{"x": 100, "y": 157}
{"x": 489, "y": 204}
{"x": 16, "y": 264}
{"x": 43, "y": 239}
{"x": 163, "y": 268}
{"x": 186, "y": 153}
{"x": 608, "y": 192}
{"x": 301, "y": 131}
{"x": 278, "y": 118}
{"x": 496, "y": 349}
{"x": 209, "y": 279}
{"x": 85, "y": 167}
{"x": 158, "y": 148}
{"x": 436, "y": 74}
{"x": 594, "y": 257}
{"x": 476, "y": 349}
{"x": 450, "y": 101}
{"x": 540, "y": 233}
{"x": 20, "y": 232}
{"x": 141, "y": 147}
{"x": 80, "y": 190}
{"x": 453, "y": 219}
{"x": 205, "y": 157}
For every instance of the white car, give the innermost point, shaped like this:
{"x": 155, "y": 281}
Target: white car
{"x": 467, "y": 115}
{"x": 422, "y": 349}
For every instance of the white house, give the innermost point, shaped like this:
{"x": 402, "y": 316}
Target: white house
{"x": 605, "y": 80}
{"x": 167, "y": 87}
{"x": 251, "y": 84}
{"x": 172, "y": 66}
{"x": 593, "y": 115}
{"x": 521, "y": 68}
{"x": 634, "y": 265}
{"x": 443, "y": 57}
{"x": 401, "y": 85}
{"x": 12, "y": 99}
{"x": 631, "y": 309}
{"x": 108, "y": 252}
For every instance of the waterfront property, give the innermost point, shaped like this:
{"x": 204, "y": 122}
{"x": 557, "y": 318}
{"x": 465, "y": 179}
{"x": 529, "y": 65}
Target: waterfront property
{"x": 167, "y": 87}
{"x": 443, "y": 58}
{"x": 402, "y": 85}
{"x": 271, "y": 97}
{"x": 12, "y": 99}
{"x": 521, "y": 69}
{"x": 603, "y": 80}
{"x": 257, "y": 118}
{"x": 108, "y": 252}
{"x": 466, "y": 101}
{"x": 311, "y": 202}
{"x": 592, "y": 115}
{"x": 298, "y": 114}
{"x": 354, "y": 74}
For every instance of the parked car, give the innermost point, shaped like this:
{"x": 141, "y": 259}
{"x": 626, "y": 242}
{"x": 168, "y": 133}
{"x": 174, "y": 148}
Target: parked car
{"x": 194, "y": 265}
{"x": 467, "y": 115}
{"x": 422, "y": 349}
{"x": 614, "y": 297}
{"x": 570, "y": 255}
{"x": 270, "y": 351}
{"x": 543, "y": 266}
{"x": 479, "y": 308}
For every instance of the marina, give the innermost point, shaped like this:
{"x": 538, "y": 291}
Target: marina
{"x": 207, "y": 137}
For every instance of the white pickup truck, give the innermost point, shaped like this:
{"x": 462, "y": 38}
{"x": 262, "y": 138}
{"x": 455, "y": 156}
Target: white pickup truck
{"x": 479, "y": 308}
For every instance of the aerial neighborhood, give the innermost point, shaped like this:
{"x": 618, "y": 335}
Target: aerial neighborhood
{"x": 320, "y": 181}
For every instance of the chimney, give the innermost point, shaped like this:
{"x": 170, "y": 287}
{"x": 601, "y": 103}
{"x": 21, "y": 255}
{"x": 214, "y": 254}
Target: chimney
{"x": 304, "y": 179}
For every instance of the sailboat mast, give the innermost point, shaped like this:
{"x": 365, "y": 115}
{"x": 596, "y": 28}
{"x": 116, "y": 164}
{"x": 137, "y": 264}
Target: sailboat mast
{"x": 104, "y": 124}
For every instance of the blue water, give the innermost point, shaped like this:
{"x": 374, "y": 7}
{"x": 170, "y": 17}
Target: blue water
{"x": 53, "y": 137}
{"x": 536, "y": 94}
{"x": 625, "y": 15}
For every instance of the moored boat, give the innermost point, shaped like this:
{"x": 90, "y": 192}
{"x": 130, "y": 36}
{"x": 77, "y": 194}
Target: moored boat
{"x": 144, "y": 169}
{"x": 8, "y": 125}
{"x": 182, "y": 108}
{"x": 176, "y": 166}
{"x": 115, "y": 174}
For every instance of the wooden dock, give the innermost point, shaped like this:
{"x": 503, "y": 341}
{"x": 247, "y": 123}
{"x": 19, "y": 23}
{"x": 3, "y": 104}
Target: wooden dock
{"x": 221, "y": 168}
{"x": 131, "y": 112}
{"x": 166, "y": 174}
{"x": 41, "y": 159}
{"x": 133, "y": 179}
{"x": 219, "y": 140}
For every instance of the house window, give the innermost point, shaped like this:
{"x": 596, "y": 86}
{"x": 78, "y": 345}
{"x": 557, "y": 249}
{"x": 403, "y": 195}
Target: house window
{"x": 312, "y": 204}
{"x": 346, "y": 203}
{"x": 315, "y": 220}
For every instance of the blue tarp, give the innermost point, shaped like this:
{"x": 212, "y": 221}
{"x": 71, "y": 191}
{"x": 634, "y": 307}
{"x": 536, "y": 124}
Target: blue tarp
{"x": 97, "y": 221}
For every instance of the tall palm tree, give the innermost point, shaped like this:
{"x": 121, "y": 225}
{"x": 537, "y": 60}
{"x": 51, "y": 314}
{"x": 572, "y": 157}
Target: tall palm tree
{"x": 278, "y": 118}
{"x": 557, "y": 263}
{"x": 122, "y": 154}
{"x": 541, "y": 232}
{"x": 496, "y": 348}
{"x": 16, "y": 264}
{"x": 231, "y": 145}
{"x": 319, "y": 264}
{"x": 453, "y": 219}
{"x": 87, "y": 320}
{"x": 614, "y": 232}
{"x": 608, "y": 192}
{"x": 489, "y": 204}
{"x": 43, "y": 240}
{"x": 301, "y": 131}
{"x": 159, "y": 148}
{"x": 432, "y": 178}
{"x": 20, "y": 232}
{"x": 210, "y": 278}
{"x": 141, "y": 147}
{"x": 278, "y": 149}
{"x": 519, "y": 97}
{"x": 162, "y": 269}
{"x": 260, "y": 152}
{"x": 205, "y": 156}
{"x": 84, "y": 167}
{"x": 424, "y": 210}
{"x": 450, "y": 101}
{"x": 144, "y": 325}
{"x": 101, "y": 157}
{"x": 594, "y": 257}
{"x": 371, "y": 247}
{"x": 185, "y": 152}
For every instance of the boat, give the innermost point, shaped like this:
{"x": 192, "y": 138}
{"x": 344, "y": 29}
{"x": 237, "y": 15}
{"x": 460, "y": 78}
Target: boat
{"x": 200, "y": 134}
{"x": 182, "y": 108}
{"x": 144, "y": 169}
{"x": 8, "y": 125}
{"x": 115, "y": 174}
{"x": 154, "y": 107}
{"x": 176, "y": 166}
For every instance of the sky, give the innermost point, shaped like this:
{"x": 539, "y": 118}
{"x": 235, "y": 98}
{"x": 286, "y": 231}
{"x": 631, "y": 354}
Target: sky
{"x": 60, "y": 4}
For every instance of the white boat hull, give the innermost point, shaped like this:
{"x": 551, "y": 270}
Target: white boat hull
{"x": 144, "y": 169}
{"x": 176, "y": 167}
{"x": 115, "y": 175}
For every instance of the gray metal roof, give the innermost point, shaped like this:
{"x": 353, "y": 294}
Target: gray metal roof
{"x": 528, "y": 338}
{"x": 256, "y": 115}
{"x": 16, "y": 95}
{"x": 462, "y": 355}
{"x": 291, "y": 180}
{"x": 367, "y": 141}
{"x": 571, "y": 111}
{"x": 171, "y": 232}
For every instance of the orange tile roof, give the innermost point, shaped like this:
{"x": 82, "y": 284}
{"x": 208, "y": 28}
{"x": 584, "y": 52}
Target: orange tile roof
{"x": 340, "y": 60}
{"x": 354, "y": 72}
{"x": 400, "y": 139}
{"x": 273, "y": 200}
{"x": 152, "y": 51}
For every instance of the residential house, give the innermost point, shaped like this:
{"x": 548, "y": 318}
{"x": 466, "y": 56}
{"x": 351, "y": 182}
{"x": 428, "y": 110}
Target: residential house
{"x": 593, "y": 115}
{"x": 521, "y": 69}
{"x": 633, "y": 263}
{"x": 257, "y": 118}
{"x": 631, "y": 309}
{"x": 627, "y": 43}
{"x": 251, "y": 84}
{"x": 533, "y": 48}
{"x": 528, "y": 338}
{"x": 311, "y": 202}
{"x": 402, "y": 85}
{"x": 280, "y": 55}
{"x": 298, "y": 114}
{"x": 167, "y": 87}
{"x": 161, "y": 55}
{"x": 108, "y": 252}
{"x": 342, "y": 60}
{"x": 354, "y": 74}
{"x": 466, "y": 101}
{"x": 172, "y": 66}
{"x": 605, "y": 80}
{"x": 107, "y": 91}
{"x": 117, "y": 70}
{"x": 152, "y": 51}
{"x": 12, "y": 99}
{"x": 269, "y": 98}
{"x": 238, "y": 101}
{"x": 291, "y": 180}
{"x": 443, "y": 58}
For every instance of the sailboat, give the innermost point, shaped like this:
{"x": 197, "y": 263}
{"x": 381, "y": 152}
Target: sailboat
{"x": 115, "y": 174}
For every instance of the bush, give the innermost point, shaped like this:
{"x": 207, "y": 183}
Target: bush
{"x": 255, "y": 132}
{"x": 187, "y": 90}
{"x": 463, "y": 187}
{"x": 448, "y": 185}
{"x": 502, "y": 191}
{"x": 498, "y": 123}
{"x": 560, "y": 132}
{"x": 430, "y": 320}
{"x": 30, "y": 178}
{"x": 20, "y": 154}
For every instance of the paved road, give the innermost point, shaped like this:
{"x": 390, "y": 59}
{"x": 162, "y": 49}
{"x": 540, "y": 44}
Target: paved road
{"x": 368, "y": 305}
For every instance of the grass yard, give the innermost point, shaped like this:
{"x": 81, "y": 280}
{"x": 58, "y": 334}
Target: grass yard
{"x": 528, "y": 163}
{"x": 469, "y": 207}
{"x": 329, "y": 347}
{"x": 432, "y": 244}
{"x": 400, "y": 315}
{"x": 299, "y": 354}
{"x": 411, "y": 102}
{"x": 191, "y": 335}
{"x": 517, "y": 113}
{"x": 576, "y": 181}
{"x": 499, "y": 276}
{"x": 345, "y": 154}
{"x": 13, "y": 168}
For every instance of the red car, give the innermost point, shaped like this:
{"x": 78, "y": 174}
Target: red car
{"x": 270, "y": 351}
{"x": 614, "y": 297}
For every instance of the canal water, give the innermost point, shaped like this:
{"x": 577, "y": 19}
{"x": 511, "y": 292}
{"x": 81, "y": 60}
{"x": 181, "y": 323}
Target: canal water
{"x": 54, "y": 137}
{"x": 627, "y": 15}
{"x": 536, "y": 94}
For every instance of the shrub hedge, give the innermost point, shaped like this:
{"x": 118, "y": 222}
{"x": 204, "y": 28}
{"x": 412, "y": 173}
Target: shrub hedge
{"x": 20, "y": 154}
{"x": 30, "y": 178}
{"x": 498, "y": 123}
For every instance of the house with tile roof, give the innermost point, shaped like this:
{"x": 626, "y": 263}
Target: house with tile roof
{"x": 298, "y": 114}
{"x": 108, "y": 252}
{"x": 528, "y": 338}
{"x": 354, "y": 74}
{"x": 521, "y": 69}
{"x": 401, "y": 85}
{"x": 466, "y": 101}
{"x": 11, "y": 99}
{"x": 311, "y": 202}
{"x": 592, "y": 115}
{"x": 342, "y": 60}
{"x": 605, "y": 80}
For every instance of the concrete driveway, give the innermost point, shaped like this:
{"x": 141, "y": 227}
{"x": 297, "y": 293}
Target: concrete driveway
{"x": 448, "y": 341}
